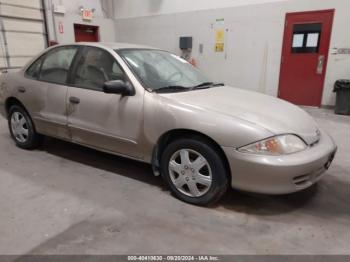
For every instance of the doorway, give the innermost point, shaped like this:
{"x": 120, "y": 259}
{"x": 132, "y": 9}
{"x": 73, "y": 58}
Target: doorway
{"x": 86, "y": 33}
{"x": 304, "y": 57}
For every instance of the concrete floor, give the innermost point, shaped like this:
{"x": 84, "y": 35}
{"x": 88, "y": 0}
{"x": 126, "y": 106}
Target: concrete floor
{"x": 66, "y": 199}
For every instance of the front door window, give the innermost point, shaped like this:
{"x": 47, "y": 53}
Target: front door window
{"x": 95, "y": 68}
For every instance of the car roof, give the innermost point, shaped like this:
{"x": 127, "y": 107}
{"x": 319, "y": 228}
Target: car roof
{"x": 105, "y": 45}
{"x": 111, "y": 45}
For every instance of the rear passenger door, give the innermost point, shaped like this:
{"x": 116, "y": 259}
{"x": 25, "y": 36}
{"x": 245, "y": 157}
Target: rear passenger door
{"x": 109, "y": 122}
{"x": 46, "y": 90}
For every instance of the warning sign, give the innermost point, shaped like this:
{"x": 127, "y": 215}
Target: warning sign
{"x": 219, "y": 47}
{"x": 219, "y": 35}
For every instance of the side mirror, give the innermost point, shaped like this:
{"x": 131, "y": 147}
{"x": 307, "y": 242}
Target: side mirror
{"x": 118, "y": 87}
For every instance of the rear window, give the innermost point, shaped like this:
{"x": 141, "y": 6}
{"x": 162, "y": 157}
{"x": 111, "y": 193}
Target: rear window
{"x": 34, "y": 70}
{"x": 56, "y": 65}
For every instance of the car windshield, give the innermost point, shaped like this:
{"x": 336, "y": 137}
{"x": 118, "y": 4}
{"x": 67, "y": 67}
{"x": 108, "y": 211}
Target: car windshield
{"x": 161, "y": 70}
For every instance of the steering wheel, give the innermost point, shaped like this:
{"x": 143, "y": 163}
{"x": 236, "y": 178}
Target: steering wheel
{"x": 99, "y": 71}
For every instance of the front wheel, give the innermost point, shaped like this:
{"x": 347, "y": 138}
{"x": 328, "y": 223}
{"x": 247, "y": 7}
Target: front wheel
{"x": 194, "y": 171}
{"x": 22, "y": 128}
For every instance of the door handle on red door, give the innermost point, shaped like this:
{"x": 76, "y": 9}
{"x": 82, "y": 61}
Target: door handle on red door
{"x": 74, "y": 100}
{"x": 320, "y": 64}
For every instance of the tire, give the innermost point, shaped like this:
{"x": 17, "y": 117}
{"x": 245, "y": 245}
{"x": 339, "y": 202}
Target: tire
{"x": 22, "y": 128}
{"x": 187, "y": 164}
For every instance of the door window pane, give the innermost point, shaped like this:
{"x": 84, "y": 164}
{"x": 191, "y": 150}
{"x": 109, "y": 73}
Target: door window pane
{"x": 312, "y": 40}
{"x": 95, "y": 68}
{"x": 306, "y": 38}
{"x": 57, "y": 64}
{"x": 298, "y": 40}
{"x": 34, "y": 69}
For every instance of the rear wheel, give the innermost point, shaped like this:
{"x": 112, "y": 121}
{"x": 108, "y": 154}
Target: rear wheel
{"x": 22, "y": 128}
{"x": 194, "y": 171}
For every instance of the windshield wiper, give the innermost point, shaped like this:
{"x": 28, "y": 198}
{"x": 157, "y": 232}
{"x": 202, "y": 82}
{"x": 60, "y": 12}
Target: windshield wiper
{"x": 207, "y": 85}
{"x": 172, "y": 88}
{"x": 175, "y": 88}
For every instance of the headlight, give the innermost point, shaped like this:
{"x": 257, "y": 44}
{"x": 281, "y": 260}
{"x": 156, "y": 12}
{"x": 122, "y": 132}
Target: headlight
{"x": 278, "y": 145}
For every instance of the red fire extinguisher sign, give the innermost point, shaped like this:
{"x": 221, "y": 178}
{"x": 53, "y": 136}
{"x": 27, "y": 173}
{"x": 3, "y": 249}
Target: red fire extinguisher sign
{"x": 60, "y": 28}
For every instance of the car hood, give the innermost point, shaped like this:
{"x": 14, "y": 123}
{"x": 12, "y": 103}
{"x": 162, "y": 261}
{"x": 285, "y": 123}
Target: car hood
{"x": 273, "y": 114}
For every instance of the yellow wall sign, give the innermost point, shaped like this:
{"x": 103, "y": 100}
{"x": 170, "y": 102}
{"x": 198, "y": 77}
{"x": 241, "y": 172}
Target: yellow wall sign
{"x": 220, "y": 35}
{"x": 219, "y": 47}
{"x": 219, "y": 40}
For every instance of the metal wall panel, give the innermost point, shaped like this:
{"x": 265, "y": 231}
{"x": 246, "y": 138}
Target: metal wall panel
{"x": 2, "y": 60}
{"x": 20, "y": 12}
{"x": 27, "y": 3}
{"x": 23, "y": 25}
{"x": 22, "y": 32}
{"x": 24, "y": 44}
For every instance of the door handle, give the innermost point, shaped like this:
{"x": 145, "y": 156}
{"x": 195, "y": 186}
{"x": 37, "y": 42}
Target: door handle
{"x": 74, "y": 100}
{"x": 320, "y": 64}
{"x": 21, "y": 89}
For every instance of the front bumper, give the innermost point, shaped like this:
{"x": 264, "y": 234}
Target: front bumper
{"x": 281, "y": 174}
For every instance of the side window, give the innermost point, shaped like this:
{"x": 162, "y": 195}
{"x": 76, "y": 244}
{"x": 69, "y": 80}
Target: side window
{"x": 306, "y": 38}
{"x": 34, "y": 69}
{"x": 56, "y": 65}
{"x": 95, "y": 68}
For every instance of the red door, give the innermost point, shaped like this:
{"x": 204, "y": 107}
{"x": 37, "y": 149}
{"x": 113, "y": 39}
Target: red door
{"x": 304, "y": 57}
{"x": 86, "y": 33}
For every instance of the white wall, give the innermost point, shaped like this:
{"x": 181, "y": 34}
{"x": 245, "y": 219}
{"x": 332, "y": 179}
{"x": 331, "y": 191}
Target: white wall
{"x": 102, "y": 18}
{"x": 253, "y": 42}
{"x": 138, "y": 8}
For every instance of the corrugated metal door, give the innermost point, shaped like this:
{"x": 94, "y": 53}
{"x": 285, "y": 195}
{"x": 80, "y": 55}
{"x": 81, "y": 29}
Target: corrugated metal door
{"x": 22, "y": 32}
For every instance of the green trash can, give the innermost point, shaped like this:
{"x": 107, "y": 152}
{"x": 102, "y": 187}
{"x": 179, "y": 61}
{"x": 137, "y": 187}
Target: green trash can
{"x": 342, "y": 105}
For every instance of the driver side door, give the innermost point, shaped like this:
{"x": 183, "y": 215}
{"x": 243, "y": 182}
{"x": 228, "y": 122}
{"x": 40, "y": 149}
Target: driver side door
{"x": 108, "y": 122}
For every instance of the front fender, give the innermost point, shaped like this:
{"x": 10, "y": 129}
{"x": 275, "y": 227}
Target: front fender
{"x": 163, "y": 114}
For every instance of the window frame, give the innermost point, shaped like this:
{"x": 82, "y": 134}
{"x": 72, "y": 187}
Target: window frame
{"x": 74, "y": 68}
{"x": 305, "y": 29}
{"x": 41, "y": 57}
{"x": 57, "y": 49}
{"x": 44, "y": 56}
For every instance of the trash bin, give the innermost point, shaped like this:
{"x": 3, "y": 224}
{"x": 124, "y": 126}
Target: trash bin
{"x": 342, "y": 105}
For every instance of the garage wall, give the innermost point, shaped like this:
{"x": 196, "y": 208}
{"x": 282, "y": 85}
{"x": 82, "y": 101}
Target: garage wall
{"x": 138, "y": 8}
{"x": 253, "y": 38}
{"x": 103, "y": 18}
{"x": 22, "y": 32}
